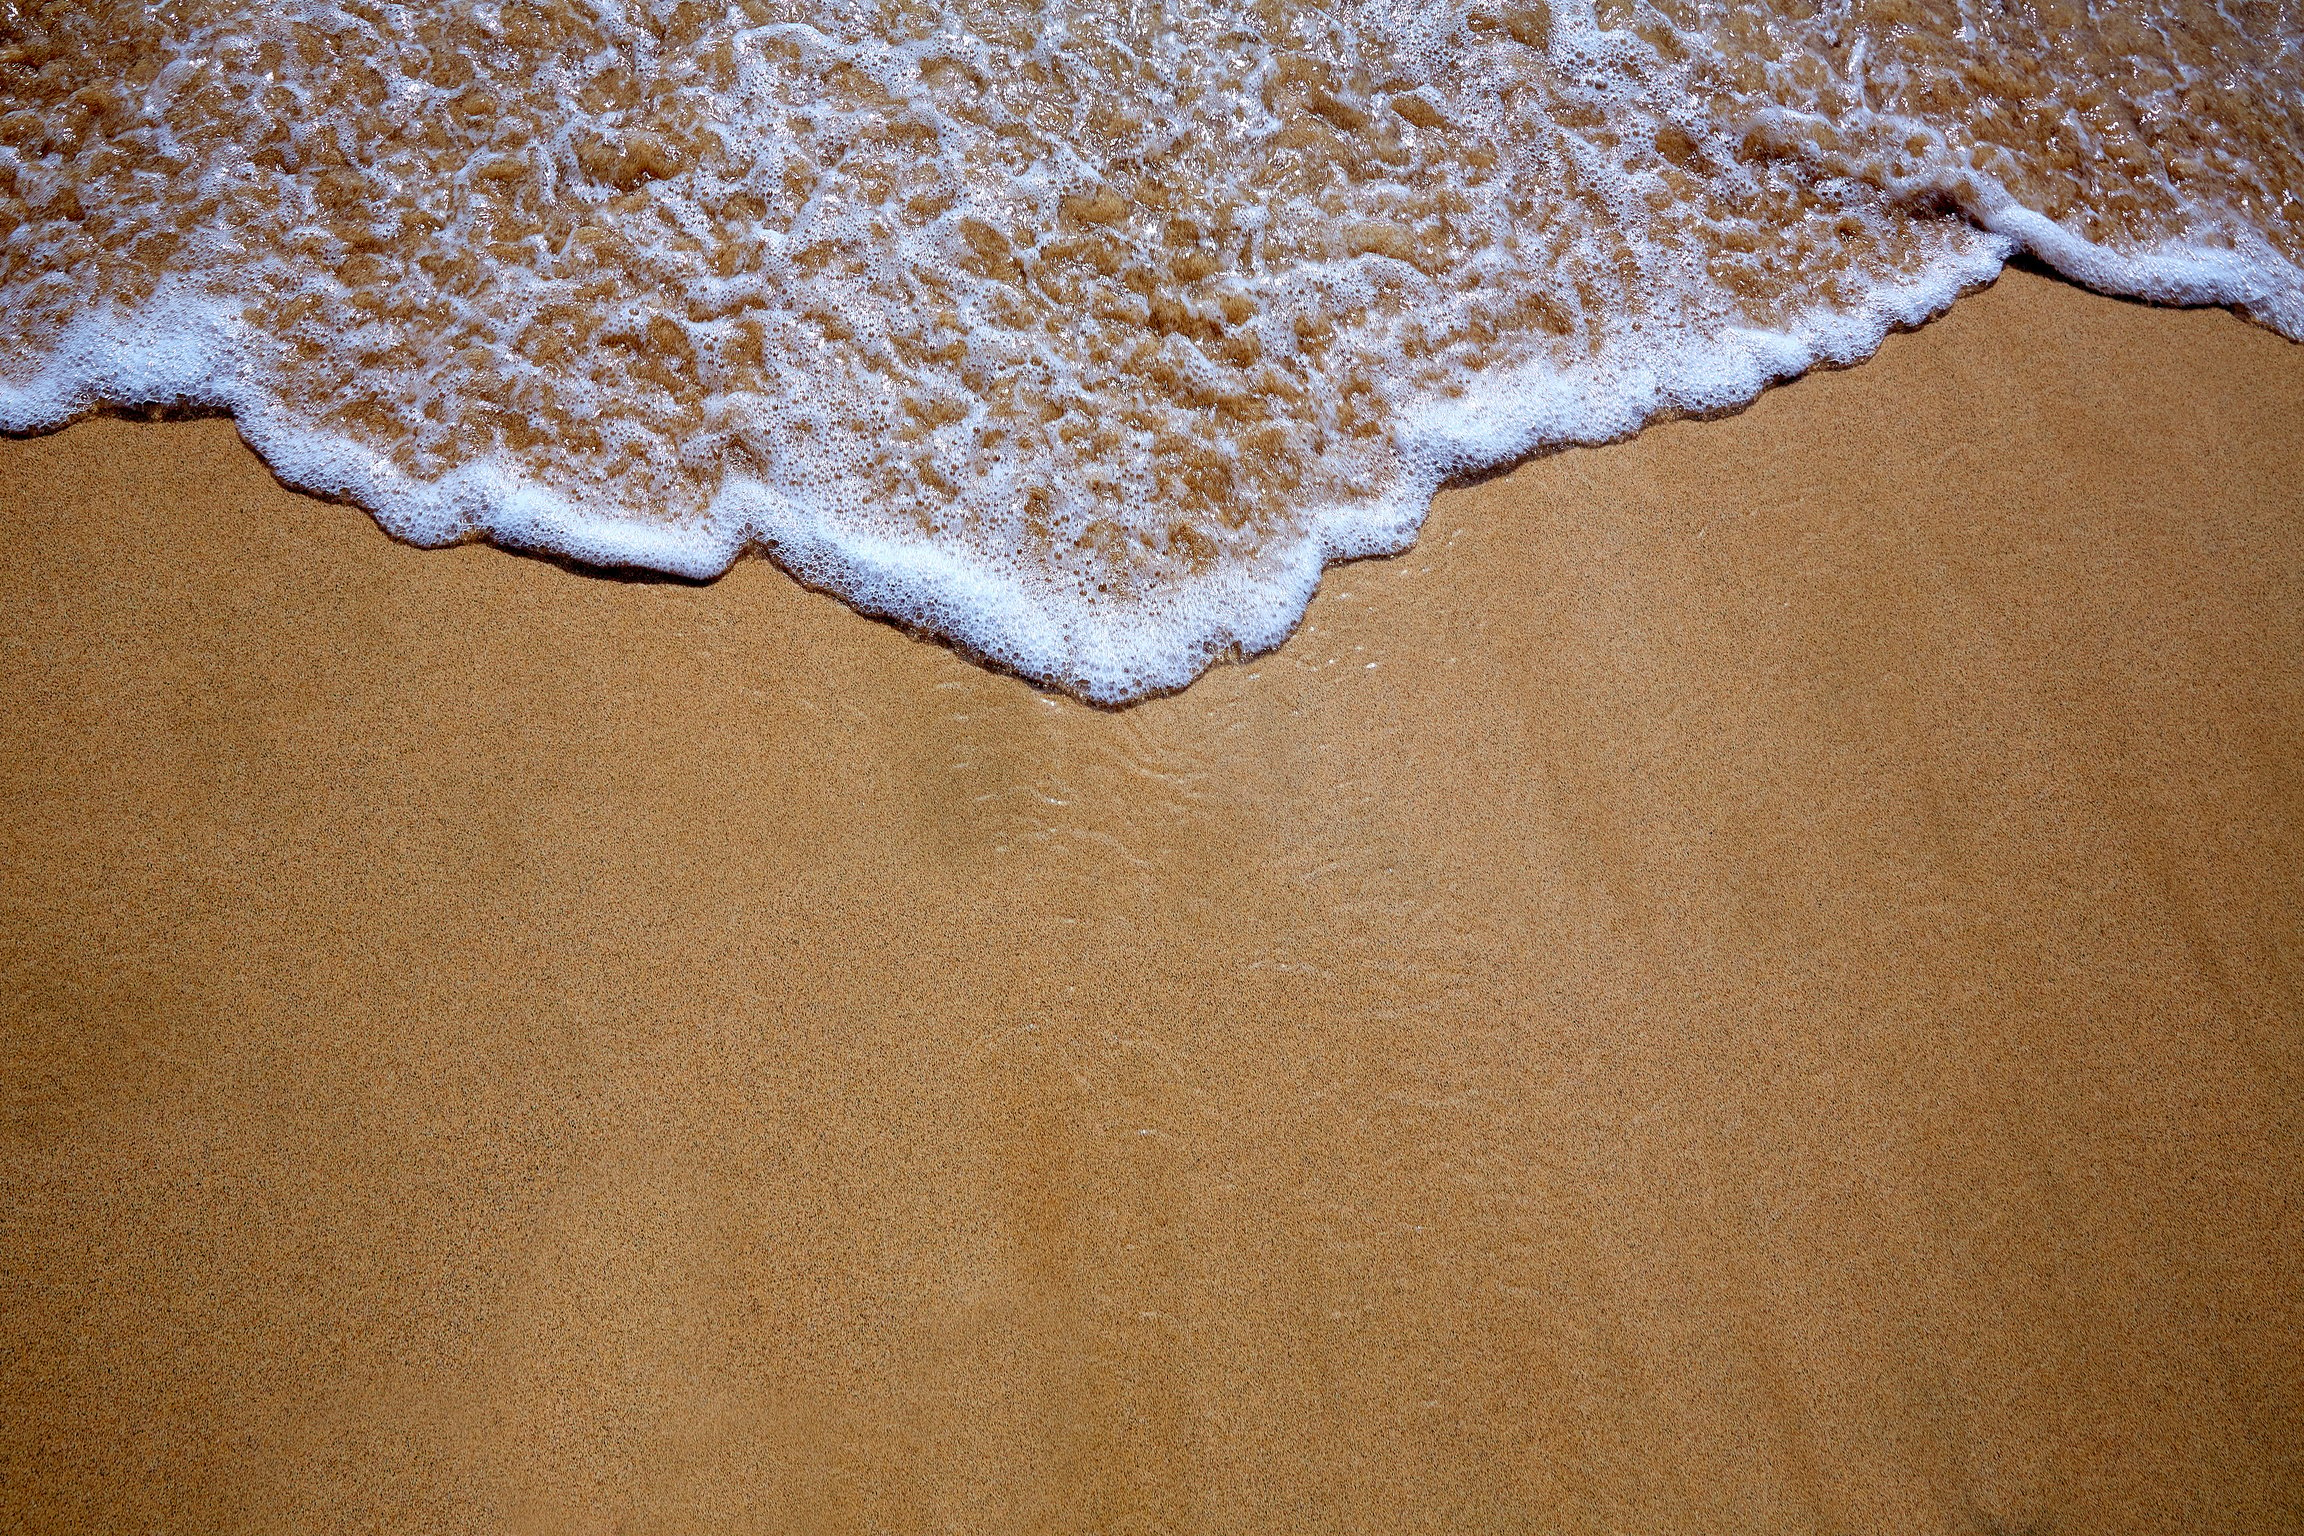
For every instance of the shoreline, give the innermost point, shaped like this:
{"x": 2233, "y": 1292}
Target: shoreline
{"x": 808, "y": 565}
{"x": 1108, "y": 654}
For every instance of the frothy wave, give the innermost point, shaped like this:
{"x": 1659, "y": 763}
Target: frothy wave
{"x": 1082, "y": 335}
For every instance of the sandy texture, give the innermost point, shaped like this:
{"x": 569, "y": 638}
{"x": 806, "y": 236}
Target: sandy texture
{"x": 1750, "y": 983}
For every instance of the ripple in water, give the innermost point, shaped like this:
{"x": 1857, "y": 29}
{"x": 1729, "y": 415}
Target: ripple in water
{"x": 1080, "y": 334}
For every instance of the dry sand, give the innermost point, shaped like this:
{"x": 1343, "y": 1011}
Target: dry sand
{"x": 1752, "y": 982}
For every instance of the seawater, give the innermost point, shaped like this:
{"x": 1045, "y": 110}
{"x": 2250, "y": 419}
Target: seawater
{"x": 1081, "y": 334}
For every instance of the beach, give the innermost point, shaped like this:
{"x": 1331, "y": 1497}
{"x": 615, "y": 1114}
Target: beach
{"x": 1751, "y": 981}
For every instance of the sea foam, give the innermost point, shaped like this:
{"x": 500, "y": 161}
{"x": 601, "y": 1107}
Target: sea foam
{"x": 1083, "y": 336}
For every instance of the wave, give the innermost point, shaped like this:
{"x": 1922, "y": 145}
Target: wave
{"x": 1083, "y": 336}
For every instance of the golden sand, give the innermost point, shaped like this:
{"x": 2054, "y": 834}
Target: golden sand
{"x": 1748, "y": 983}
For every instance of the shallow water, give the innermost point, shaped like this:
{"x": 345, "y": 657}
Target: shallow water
{"x": 1080, "y": 335}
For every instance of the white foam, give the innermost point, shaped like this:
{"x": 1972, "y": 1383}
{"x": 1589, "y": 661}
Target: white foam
{"x": 2251, "y": 276}
{"x": 983, "y": 452}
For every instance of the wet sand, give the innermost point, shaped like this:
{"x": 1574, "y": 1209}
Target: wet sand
{"x": 1752, "y": 982}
